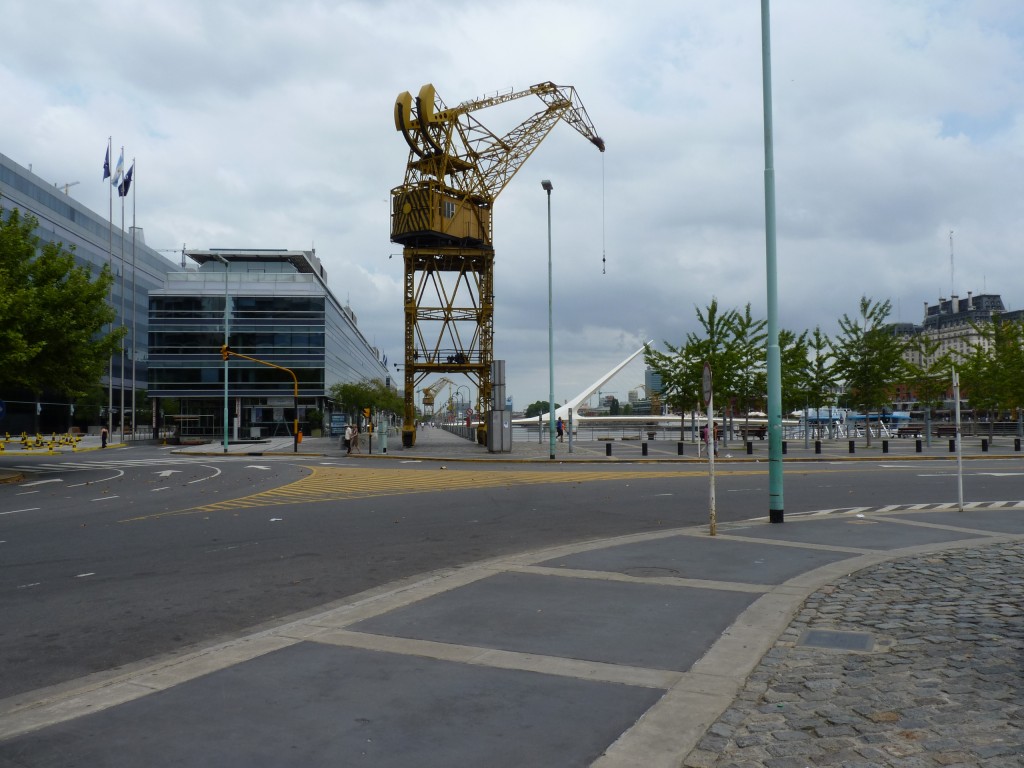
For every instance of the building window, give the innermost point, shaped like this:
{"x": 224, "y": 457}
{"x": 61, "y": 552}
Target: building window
{"x": 448, "y": 209}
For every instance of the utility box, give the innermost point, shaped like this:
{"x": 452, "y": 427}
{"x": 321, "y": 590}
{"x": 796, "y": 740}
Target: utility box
{"x": 499, "y": 432}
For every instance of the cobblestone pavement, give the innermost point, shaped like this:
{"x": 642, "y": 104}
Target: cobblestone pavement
{"x": 942, "y": 685}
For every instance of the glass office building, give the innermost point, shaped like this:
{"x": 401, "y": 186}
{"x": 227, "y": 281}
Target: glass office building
{"x": 281, "y": 313}
{"x": 97, "y": 242}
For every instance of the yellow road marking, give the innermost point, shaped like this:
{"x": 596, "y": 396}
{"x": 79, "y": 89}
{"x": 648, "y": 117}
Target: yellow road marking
{"x": 340, "y": 484}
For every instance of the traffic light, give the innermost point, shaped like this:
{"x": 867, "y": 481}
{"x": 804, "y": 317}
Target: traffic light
{"x": 225, "y": 350}
{"x": 366, "y": 412}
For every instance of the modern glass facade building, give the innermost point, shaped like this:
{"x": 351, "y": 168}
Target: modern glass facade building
{"x": 97, "y": 242}
{"x": 281, "y": 313}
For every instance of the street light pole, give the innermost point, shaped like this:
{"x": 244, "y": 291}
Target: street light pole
{"x": 224, "y": 261}
{"x": 546, "y": 184}
{"x": 774, "y": 354}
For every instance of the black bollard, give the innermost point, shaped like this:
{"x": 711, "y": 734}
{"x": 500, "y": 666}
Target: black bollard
{"x": 784, "y": 447}
{"x": 817, "y": 446}
{"x": 853, "y": 447}
{"x": 917, "y": 445}
{"x": 984, "y": 445}
{"x": 952, "y": 445}
{"x": 643, "y": 449}
{"x": 1016, "y": 444}
{"x": 750, "y": 447}
{"x": 679, "y": 448}
{"x": 607, "y": 449}
{"x": 885, "y": 446}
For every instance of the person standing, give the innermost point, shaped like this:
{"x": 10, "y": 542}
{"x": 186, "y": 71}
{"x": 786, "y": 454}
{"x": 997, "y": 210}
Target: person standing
{"x": 348, "y": 439}
{"x": 103, "y": 437}
{"x": 560, "y": 429}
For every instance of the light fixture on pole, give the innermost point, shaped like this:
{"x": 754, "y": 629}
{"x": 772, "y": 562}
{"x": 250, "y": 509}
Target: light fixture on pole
{"x": 224, "y": 261}
{"x": 546, "y": 184}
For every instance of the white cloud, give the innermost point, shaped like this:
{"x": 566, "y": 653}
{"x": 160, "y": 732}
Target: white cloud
{"x": 269, "y": 124}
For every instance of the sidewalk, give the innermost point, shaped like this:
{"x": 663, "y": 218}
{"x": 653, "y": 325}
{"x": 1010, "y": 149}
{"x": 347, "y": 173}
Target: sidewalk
{"x": 881, "y": 639}
{"x": 441, "y": 445}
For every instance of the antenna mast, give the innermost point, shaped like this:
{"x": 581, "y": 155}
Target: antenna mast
{"x": 952, "y": 284}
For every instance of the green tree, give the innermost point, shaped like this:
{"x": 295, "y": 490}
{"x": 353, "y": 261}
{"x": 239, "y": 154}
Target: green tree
{"x": 993, "y": 373}
{"x": 748, "y": 354}
{"x": 539, "y": 408}
{"x": 869, "y": 358}
{"x": 821, "y": 374}
{"x": 52, "y": 314}
{"x": 368, "y": 393}
{"x": 682, "y": 368}
{"x": 928, "y": 375}
{"x": 797, "y": 374}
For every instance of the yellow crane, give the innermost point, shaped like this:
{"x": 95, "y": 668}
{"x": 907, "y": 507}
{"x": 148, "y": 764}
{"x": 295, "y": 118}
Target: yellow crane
{"x": 430, "y": 393}
{"x": 441, "y": 215}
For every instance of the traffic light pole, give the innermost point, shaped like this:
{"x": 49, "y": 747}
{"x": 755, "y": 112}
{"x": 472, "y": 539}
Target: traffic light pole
{"x": 227, "y": 352}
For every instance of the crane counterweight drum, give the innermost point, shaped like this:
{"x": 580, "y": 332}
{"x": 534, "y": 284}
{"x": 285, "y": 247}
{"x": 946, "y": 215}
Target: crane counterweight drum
{"x": 442, "y": 216}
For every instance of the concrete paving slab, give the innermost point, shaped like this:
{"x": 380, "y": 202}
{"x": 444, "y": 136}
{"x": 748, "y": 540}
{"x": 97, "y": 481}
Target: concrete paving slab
{"x": 646, "y": 625}
{"x": 691, "y": 557}
{"x": 862, "y": 532}
{"x": 319, "y": 705}
{"x": 995, "y": 520}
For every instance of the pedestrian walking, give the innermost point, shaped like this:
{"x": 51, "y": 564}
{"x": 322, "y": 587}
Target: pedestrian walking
{"x": 347, "y": 439}
{"x": 560, "y": 429}
{"x": 103, "y": 437}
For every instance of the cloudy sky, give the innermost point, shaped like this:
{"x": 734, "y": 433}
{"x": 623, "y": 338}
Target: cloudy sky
{"x": 269, "y": 124}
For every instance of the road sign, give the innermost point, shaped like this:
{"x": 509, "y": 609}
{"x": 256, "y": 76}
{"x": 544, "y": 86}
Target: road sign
{"x": 707, "y": 383}
{"x": 469, "y": 411}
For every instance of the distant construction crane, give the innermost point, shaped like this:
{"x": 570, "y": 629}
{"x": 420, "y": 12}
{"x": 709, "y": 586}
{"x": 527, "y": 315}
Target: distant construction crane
{"x": 431, "y": 392}
{"x": 441, "y": 215}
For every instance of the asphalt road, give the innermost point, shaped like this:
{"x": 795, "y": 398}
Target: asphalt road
{"x": 105, "y": 565}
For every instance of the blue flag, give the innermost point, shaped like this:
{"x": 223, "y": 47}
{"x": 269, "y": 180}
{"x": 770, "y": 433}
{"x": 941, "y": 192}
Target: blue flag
{"x": 122, "y": 190}
{"x": 106, "y": 164}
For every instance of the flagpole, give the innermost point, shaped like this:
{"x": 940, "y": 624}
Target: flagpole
{"x": 110, "y": 265}
{"x": 134, "y": 304}
{"x": 121, "y": 372}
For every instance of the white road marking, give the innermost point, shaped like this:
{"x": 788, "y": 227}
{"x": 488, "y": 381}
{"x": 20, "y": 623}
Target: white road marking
{"x": 33, "y": 584}
{"x": 164, "y": 488}
{"x": 255, "y": 466}
{"x": 83, "y": 575}
{"x": 40, "y": 482}
{"x": 26, "y": 493}
{"x": 168, "y": 472}
{"x": 210, "y": 477}
{"x": 105, "y": 498}
{"x": 16, "y": 511}
{"x": 119, "y": 473}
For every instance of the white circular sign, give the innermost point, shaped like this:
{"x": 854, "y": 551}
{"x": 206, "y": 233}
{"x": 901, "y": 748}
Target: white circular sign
{"x": 707, "y": 383}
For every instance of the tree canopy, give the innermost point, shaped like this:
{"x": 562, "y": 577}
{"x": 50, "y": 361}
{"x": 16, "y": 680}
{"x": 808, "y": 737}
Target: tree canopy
{"x": 53, "y": 314}
{"x": 538, "y": 408}
{"x": 369, "y": 393}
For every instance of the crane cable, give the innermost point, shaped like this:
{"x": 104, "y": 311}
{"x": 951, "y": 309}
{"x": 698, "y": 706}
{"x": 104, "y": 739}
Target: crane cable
{"x": 604, "y": 260}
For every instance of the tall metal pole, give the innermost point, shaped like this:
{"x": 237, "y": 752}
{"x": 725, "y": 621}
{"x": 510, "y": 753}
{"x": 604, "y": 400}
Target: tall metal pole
{"x": 134, "y": 307}
{"x": 227, "y": 316}
{"x": 121, "y": 374}
{"x": 959, "y": 444}
{"x": 775, "y": 501}
{"x": 551, "y": 338}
